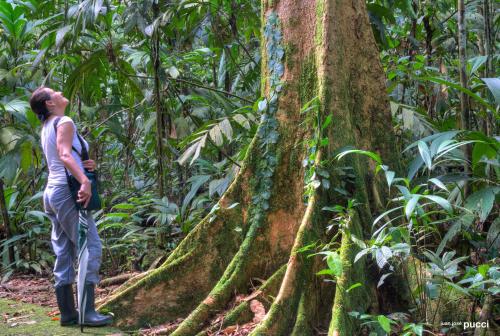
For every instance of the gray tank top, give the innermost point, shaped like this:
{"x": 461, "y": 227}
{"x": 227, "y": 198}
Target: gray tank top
{"x": 57, "y": 175}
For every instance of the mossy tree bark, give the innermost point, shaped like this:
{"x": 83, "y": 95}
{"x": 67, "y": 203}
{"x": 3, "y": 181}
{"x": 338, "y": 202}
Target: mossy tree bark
{"x": 322, "y": 49}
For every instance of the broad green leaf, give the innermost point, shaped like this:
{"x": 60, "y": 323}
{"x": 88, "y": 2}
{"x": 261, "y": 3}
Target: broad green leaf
{"x": 482, "y": 150}
{"x": 451, "y": 147}
{"x": 385, "y": 323}
{"x": 437, "y": 143}
{"x": 438, "y": 183}
{"x": 446, "y": 135}
{"x": 117, "y": 215}
{"x": 372, "y": 155}
{"x": 358, "y": 241}
{"x": 216, "y": 135}
{"x": 97, "y": 8}
{"x": 493, "y": 237}
{"x": 410, "y": 206}
{"x": 361, "y": 253}
{"x": 476, "y": 63}
{"x": 61, "y": 33}
{"x": 441, "y": 201}
{"x": 262, "y": 105}
{"x": 326, "y": 271}
{"x": 494, "y": 86}
{"x": 389, "y": 175}
{"x": 14, "y": 239}
{"x": 124, "y": 206}
{"x": 201, "y": 144}
{"x": 382, "y": 279}
{"x": 356, "y": 285}
{"x": 227, "y": 130}
{"x": 334, "y": 263}
{"x": 187, "y": 154}
{"x": 458, "y": 288}
{"x": 414, "y": 167}
{"x": 327, "y": 122}
{"x": 452, "y": 231}
{"x": 380, "y": 258}
{"x": 434, "y": 258}
{"x": 482, "y": 201}
{"x": 196, "y": 182}
{"x": 26, "y": 156}
{"x": 218, "y": 186}
{"x": 425, "y": 154}
{"x": 240, "y": 119}
{"x": 386, "y": 251}
{"x": 384, "y": 214}
{"x": 221, "y": 74}
{"x": 38, "y": 215}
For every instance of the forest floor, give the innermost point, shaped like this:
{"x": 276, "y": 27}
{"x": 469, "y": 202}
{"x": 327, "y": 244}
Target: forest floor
{"x": 28, "y": 307}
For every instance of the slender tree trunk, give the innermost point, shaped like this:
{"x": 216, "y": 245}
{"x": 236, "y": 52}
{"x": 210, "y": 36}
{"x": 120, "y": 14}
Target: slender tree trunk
{"x": 6, "y": 223}
{"x": 321, "y": 51}
{"x": 464, "y": 98}
{"x": 488, "y": 51}
{"x": 462, "y": 45}
{"x": 160, "y": 126}
{"x": 430, "y": 95}
{"x": 129, "y": 149}
{"x": 488, "y": 38}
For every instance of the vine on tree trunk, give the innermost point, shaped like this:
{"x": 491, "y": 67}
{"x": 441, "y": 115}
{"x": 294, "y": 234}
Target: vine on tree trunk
{"x": 267, "y": 134}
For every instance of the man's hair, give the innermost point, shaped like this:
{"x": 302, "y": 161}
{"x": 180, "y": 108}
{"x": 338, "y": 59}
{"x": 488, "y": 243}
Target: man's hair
{"x": 37, "y": 103}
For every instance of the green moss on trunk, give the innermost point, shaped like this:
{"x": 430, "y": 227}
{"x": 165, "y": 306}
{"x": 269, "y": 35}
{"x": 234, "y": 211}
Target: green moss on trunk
{"x": 359, "y": 299}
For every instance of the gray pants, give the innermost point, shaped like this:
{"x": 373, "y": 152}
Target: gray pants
{"x": 61, "y": 209}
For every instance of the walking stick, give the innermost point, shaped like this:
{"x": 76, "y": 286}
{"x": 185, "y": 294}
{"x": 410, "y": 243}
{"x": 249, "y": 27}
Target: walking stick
{"x": 83, "y": 258}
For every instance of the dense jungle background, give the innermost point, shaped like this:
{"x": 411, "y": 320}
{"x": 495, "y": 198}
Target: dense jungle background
{"x": 171, "y": 94}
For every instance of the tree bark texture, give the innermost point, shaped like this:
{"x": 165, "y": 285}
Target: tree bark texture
{"x": 323, "y": 49}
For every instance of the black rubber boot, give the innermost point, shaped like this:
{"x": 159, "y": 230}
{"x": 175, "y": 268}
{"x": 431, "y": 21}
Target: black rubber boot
{"x": 66, "y": 303}
{"x": 91, "y": 317}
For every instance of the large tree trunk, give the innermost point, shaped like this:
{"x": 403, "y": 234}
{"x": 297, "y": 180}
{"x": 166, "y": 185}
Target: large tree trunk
{"x": 310, "y": 49}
